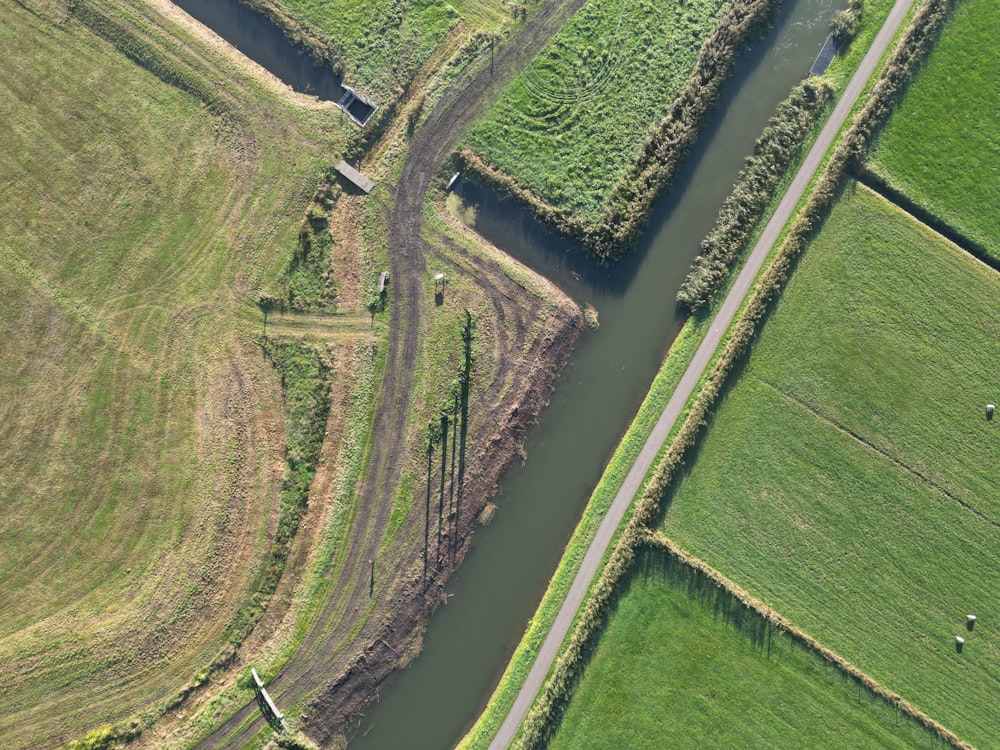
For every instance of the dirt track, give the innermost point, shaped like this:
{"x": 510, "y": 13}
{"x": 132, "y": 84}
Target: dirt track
{"x": 394, "y": 628}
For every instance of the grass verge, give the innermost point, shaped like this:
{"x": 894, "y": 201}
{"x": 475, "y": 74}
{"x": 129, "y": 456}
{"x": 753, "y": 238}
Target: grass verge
{"x": 914, "y": 41}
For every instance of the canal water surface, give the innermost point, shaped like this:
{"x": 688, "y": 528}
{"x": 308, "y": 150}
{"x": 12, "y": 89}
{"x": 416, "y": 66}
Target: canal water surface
{"x": 264, "y": 43}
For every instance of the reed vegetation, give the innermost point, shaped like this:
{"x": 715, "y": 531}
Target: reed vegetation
{"x": 773, "y": 152}
{"x": 551, "y": 702}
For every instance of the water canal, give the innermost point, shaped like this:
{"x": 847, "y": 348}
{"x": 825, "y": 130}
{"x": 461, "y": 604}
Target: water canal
{"x": 468, "y": 642}
{"x": 264, "y": 43}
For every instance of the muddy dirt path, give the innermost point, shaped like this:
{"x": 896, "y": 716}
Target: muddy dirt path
{"x": 346, "y": 675}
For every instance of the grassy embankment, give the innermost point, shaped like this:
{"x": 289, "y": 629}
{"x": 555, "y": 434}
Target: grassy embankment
{"x": 515, "y": 316}
{"x": 680, "y": 354}
{"x": 924, "y": 152}
{"x": 673, "y": 367}
{"x": 846, "y": 478}
{"x": 142, "y": 430}
{"x": 942, "y": 148}
{"x": 597, "y": 125}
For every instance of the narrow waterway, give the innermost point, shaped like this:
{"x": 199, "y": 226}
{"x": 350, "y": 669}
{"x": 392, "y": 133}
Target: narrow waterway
{"x": 468, "y": 642}
{"x": 264, "y": 43}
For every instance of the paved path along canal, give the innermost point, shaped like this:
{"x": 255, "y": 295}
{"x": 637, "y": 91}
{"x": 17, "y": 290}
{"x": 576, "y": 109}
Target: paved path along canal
{"x": 591, "y": 561}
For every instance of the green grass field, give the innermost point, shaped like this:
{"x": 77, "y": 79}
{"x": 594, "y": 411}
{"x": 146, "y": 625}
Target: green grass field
{"x": 941, "y": 147}
{"x": 672, "y": 670}
{"x": 569, "y": 127}
{"x": 383, "y": 44}
{"x": 848, "y": 479}
{"x": 139, "y": 423}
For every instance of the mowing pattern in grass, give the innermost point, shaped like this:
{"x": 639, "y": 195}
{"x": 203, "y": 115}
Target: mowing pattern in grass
{"x": 140, "y": 428}
{"x": 571, "y": 125}
{"x": 848, "y": 479}
{"x": 942, "y": 146}
{"x": 679, "y": 666}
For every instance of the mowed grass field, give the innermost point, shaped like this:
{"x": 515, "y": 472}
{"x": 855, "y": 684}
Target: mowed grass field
{"x": 941, "y": 147}
{"x": 848, "y": 479}
{"x": 671, "y": 670}
{"x": 141, "y": 430}
{"x": 569, "y": 127}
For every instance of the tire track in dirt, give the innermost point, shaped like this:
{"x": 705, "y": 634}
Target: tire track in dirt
{"x": 323, "y": 655}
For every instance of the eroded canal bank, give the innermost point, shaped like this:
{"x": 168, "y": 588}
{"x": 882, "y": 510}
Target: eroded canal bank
{"x": 505, "y": 572}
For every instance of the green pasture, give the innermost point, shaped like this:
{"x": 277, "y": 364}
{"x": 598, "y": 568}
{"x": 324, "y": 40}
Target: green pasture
{"x": 675, "y": 669}
{"x": 941, "y": 147}
{"x": 138, "y": 419}
{"x": 569, "y": 127}
{"x": 848, "y": 478}
{"x": 382, "y": 44}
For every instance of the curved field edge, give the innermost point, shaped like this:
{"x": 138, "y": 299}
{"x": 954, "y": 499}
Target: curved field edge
{"x": 609, "y": 219}
{"x": 909, "y": 44}
{"x": 153, "y": 254}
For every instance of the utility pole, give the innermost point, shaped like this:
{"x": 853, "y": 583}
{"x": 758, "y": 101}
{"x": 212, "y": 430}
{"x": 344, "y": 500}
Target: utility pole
{"x": 444, "y": 471}
{"x": 427, "y": 505}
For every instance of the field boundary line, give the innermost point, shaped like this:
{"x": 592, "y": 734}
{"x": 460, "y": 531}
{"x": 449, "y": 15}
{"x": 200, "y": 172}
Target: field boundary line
{"x": 875, "y": 449}
{"x": 921, "y": 215}
{"x": 659, "y": 540}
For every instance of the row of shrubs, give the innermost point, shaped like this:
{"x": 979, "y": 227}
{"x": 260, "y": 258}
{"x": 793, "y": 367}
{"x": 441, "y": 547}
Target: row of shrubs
{"x": 627, "y": 211}
{"x": 544, "y": 717}
{"x": 754, "y": 188}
